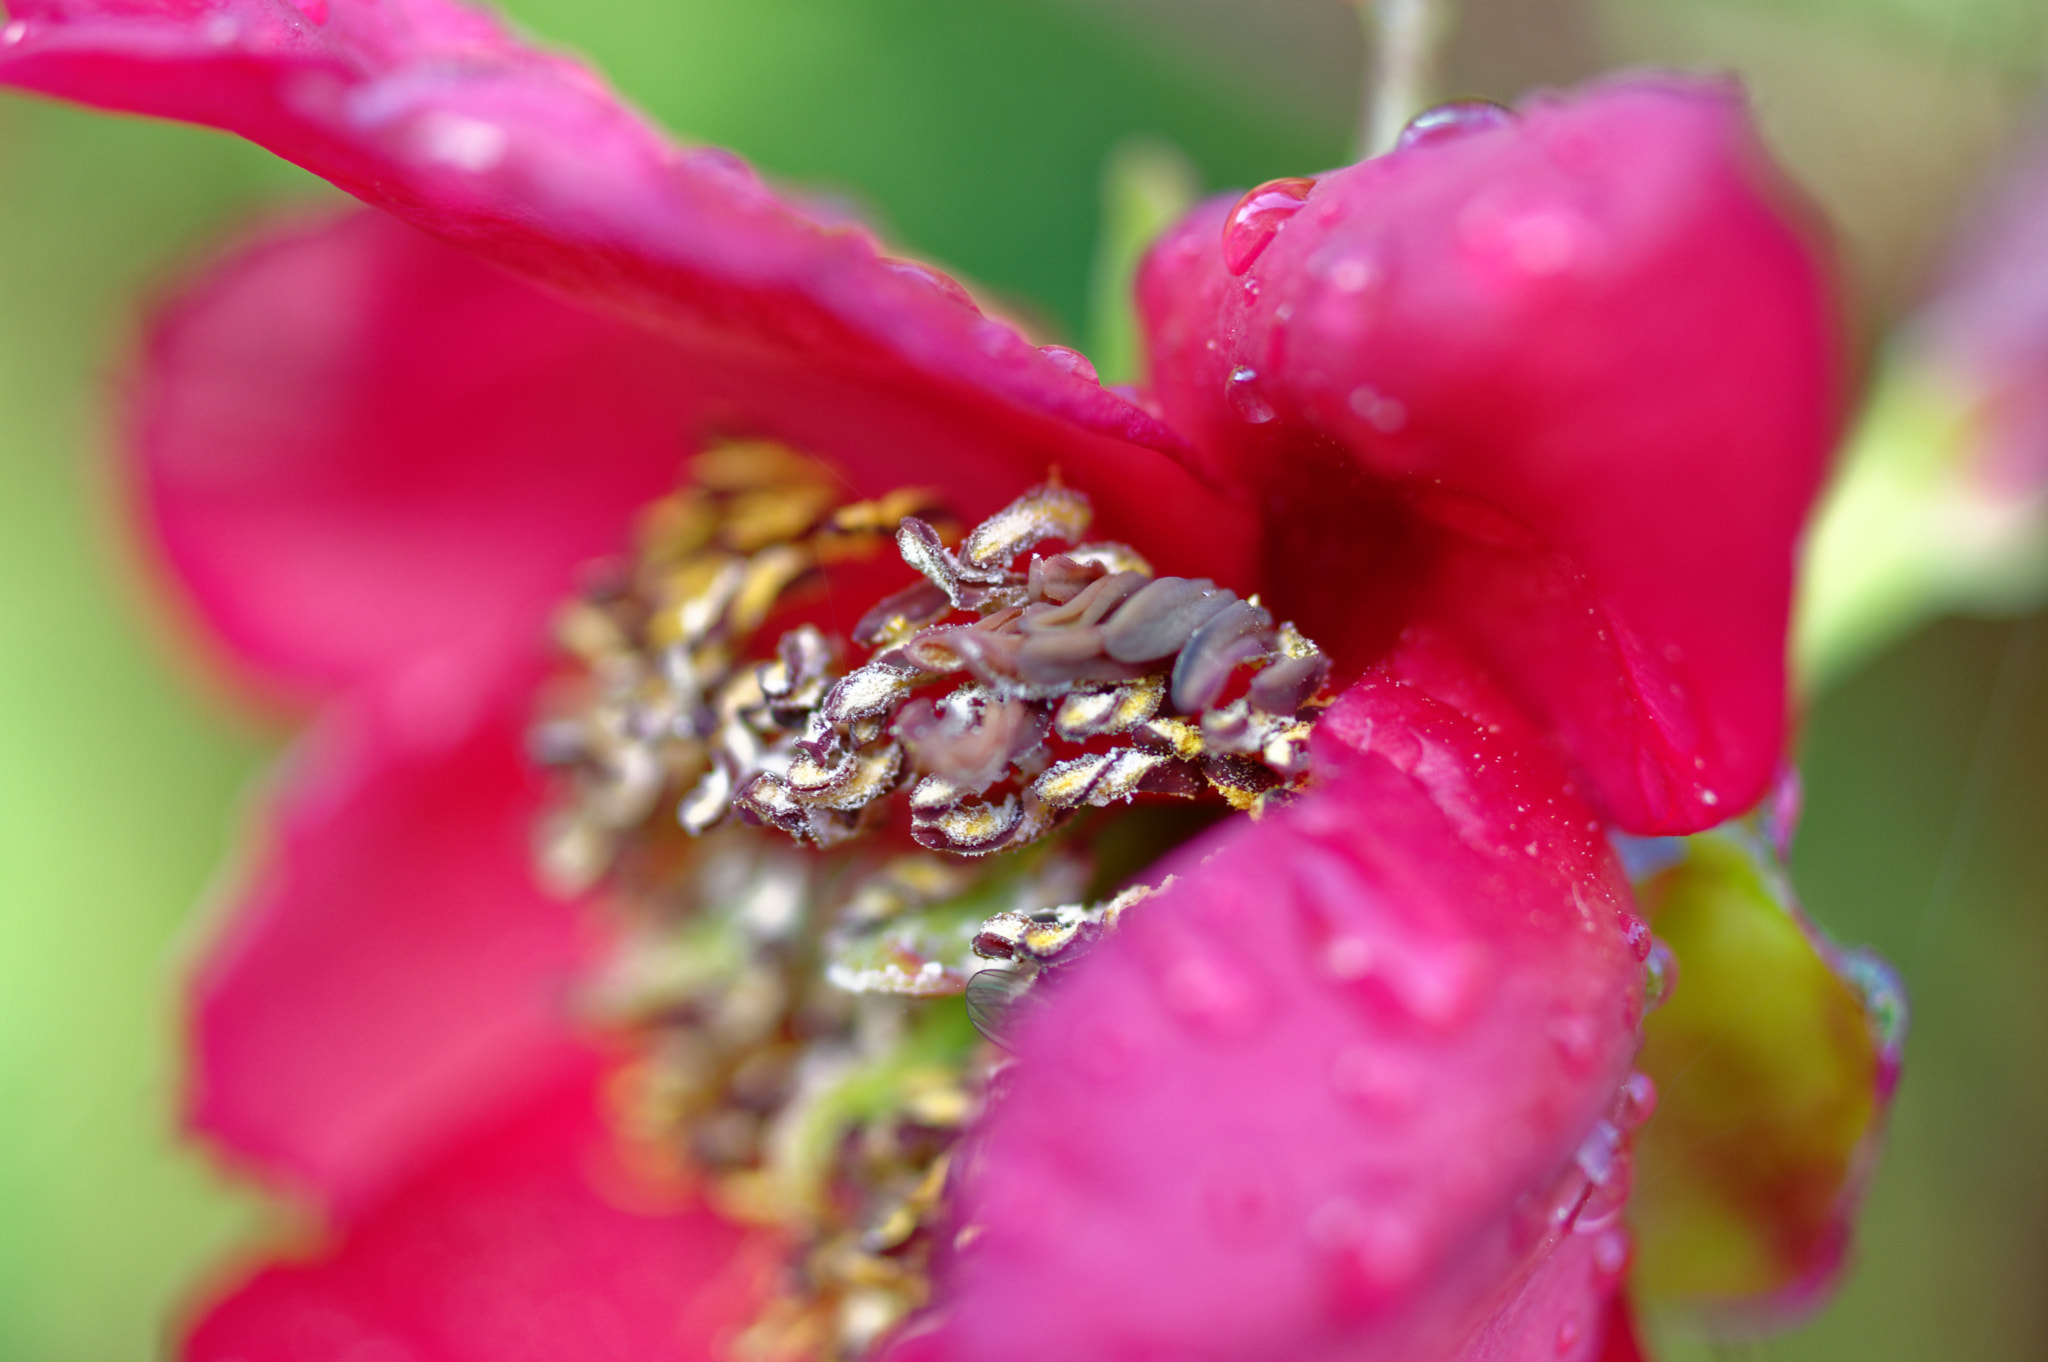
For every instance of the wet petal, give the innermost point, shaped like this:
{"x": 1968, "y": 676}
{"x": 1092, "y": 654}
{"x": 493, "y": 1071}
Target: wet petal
{"x": 366, "y": 453}
{"x": 529, "y": 1237}
{"x": 391, "y": 967}
{"x": 434, "y": 111}
{"x": 1322, "y": 1098}
{"x": 1775, "y": 1061}
{"x": 1566, "y": 385}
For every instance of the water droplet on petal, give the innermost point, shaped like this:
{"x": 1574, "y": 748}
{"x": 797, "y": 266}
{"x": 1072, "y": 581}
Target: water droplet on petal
{"x": 1568, "y": 1332}
{"x": 1636, "y": 933}
{"x": 1374, "y": 1083}
{"x": 1598, "y": 1151}
{"x": 939, "y": 281}
{"x": 221, "y": 30}
{"x": 1203, "y": 987}
{"x": 1384, "y": 414}
{"x": 1638, "y": 1101}
{"x": 1072, "y": 361}
{"x": 1603, "y": 1205}
{"x": 1242, "y": 392}
{"x": 1353, "y": 274}
{"x": 1575, "y": 1039}
{"x": 1456, "y": 119}
{"x": 1660, "y": 976}
{"x": 1611, "y": 1253}
{"x": 1884, "y": 999}
{"x": 1258, "y": 216}
{"x": 13, "y": 33}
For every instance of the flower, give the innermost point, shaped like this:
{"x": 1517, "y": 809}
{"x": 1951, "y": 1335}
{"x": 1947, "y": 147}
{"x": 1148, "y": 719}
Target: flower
{"x": 1518, "y": 423}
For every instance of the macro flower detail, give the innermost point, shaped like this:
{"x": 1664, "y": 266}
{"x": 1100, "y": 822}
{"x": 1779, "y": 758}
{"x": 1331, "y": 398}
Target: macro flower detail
{"x": 1085, "y": 873}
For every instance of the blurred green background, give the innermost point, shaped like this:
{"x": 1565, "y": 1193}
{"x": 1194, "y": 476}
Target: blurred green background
{"x": 975, "y": 133}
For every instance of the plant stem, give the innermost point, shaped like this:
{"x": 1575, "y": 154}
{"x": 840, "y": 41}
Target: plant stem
{"x": 1403, "y": 39}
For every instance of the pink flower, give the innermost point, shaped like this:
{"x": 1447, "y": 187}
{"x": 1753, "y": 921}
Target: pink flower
{"x": 1519, "y": 423}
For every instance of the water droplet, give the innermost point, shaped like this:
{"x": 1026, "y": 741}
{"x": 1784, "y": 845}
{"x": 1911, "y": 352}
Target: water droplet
{"x": 1637, "y": 1102}
{"x": 1611, "y": 1253}
{"x": 1709, "y": 798}
{"x": 1242, "y": 391}
{"x": 1384, "y": 414}
{"x": 465, "y": 143}
{"x": 1258, "y": 217}
{"x": 1636, "y": 933}
{"x": 1353, "y": 274}
{"x": 1206, "y": 989}
{"x": 1568, "y": 1331}
{"x": 1883, "y": 995}
{"x": 943, "y": 283}
{"x": 1660, "y": 976}
{"x": 1456, "y": 119}
{"x": 1601, "y": 1210}
{"x": 1598, "y": 1151}
{"x": 1576, "y": 1040}
{"x": 1072, "y": 361}
{"x": 13, "y": 33}
{"x": 1373, "y": 1082}
{"x": 221, "y": 30}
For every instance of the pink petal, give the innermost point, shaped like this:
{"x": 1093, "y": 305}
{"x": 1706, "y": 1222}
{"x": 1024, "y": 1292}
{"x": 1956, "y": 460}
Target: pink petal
{"x": 436, "y": 112}
{"x": 527, "y": 1239}
{"x": 1322, "y": 1100}
{"x": 1565, "y": 384}
{"x": 367, "y": 455}
{"x": 391, "y": 967}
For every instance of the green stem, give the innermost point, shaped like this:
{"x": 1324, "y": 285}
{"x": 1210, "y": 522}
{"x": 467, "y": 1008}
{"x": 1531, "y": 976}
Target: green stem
{"x": 1403, "y": 39}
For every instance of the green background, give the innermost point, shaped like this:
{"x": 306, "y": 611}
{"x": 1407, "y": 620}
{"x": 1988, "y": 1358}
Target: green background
{"x": 975, "y": 132}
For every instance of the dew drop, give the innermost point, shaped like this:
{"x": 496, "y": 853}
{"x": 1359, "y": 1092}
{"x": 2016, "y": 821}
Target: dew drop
{"x": 1883, "y": 995}
{"x": 1568, "y": 1332}
{"x": 13, "y": 33}
{"x": 1637, "y": 1102}
{"x": 1456, "y": 119}
{"x": 1373, "y": 1083}
{"x": 1384, "y": 414}
{"x": 935, "y": 279}
{"x": 1636, "y": 933}
{"x": 221, "y": 30}
{"x": 1660, "y": 976}
{"x": 1353, "y": 275}
{"x": 1601, "y": 1210}
{"x": 1202, "y": 987}
{"x": 1242, "y": 392}
{"x": 1258, "y": 217}
{"x": 1071, "y": 361}
{"x": 1575, "y": 1040}
{"x": 1598, "y": 1152}
{"x": 1611, "y": 1253}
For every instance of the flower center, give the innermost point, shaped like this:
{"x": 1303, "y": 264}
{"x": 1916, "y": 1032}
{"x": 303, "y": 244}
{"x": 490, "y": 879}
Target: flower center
{"x": 798, "y": 939}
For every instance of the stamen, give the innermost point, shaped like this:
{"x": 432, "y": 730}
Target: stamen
{"x": 801, "y": 1046}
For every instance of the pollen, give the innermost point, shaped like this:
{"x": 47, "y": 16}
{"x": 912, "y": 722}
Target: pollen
{"x": 849, "y": 865}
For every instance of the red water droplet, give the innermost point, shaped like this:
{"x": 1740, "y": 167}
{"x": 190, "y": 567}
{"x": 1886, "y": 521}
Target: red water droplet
{"x": 1611, "y": 1253}
{"x": 1072, "y": 361}
{"x": 1636, "y": 933}
{"x": 1637, "y": 1103}
{"x": 1568, "y": 1334}
{"x": 1456, "y": 119}
{"x": 1258, "y": 215}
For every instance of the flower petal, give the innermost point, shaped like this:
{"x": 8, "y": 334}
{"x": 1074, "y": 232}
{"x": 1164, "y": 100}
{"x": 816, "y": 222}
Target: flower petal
{"x": 1775, "y": 1060}
{"x": 367, "y": 454}
{"x": 527, "y": 1239}
{"x": 436, "y": 112}
{"x": 1565, "y": 384}
{"x": 1322, "y": 1099}
{"x": 391, "y": 967}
